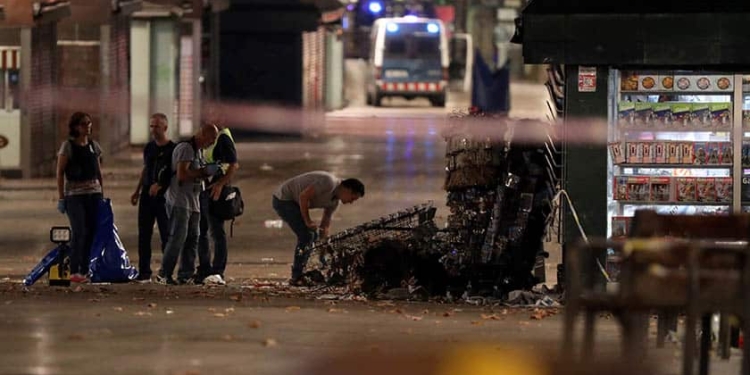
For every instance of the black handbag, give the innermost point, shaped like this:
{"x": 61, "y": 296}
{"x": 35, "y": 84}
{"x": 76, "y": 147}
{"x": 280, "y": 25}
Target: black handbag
{"x": 228, "y": 206}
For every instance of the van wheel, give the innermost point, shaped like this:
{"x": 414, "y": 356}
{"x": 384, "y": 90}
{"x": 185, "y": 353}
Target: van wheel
{"x": 368, "y": 98}
{"x": 438, "y": 101}
{"x": 378, "y": 100}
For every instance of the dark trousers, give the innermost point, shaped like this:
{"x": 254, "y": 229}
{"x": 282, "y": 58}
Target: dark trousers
{"x": 82, "y": 213}
{"x": 289, "y": 211}
{"x": 211, "y": 228}
{"x": 150, "y": 209}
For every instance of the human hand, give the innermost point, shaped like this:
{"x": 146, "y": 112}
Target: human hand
{"x": 216, "y": 191}
{"x": 322, "y": 232}
{"x": 61, "y": 206}
{"x": 312, "y": 226}
{"x": 134, "y": 198}
{"x": 211, "y": 169}
{"x": 154, "y": 189}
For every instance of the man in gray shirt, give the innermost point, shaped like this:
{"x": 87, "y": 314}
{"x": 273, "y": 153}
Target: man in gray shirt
{"x": 183, "y": 206}
{"x": 294, "y": 198}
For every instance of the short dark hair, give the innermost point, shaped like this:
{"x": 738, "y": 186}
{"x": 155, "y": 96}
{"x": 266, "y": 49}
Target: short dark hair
{"x": 160, "y": 116}
{"x": 356, "y": 186}
{"x": 74, "y": 121}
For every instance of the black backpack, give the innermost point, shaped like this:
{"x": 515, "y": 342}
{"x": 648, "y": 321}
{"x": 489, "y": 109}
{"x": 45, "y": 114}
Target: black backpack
{"x": 228, "y": 206}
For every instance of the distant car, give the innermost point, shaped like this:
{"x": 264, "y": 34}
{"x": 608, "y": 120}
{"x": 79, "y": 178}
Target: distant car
{"x": 408, "y": 58}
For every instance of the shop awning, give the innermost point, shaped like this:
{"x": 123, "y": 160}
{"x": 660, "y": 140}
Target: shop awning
{"x": 636, "y": 32}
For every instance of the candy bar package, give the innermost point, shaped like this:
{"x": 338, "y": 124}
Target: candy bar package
{"x": 746, "y": 154}
{"x": 662, "y": 115}
{"x": 681, "y": 117}
{"x": 634, "y": 155}
{"x": 639, "y": 189}
{"x": 674, "y": 153}
{"x": 647, "y": 152}
{"x": 724, "y": 189}
{"x": 660, "y": 153}
{"x": 621, "y": 188}
{"x": 687, "y": 155}
{"x": 617, "y": 152}
{"x": 643, "y": 115}
{"x": 701, "y": 116}
{"x": 700, "y": 153}
{"x": 713, "y": 157}
{"x": 721, "y": 115}
{"x": 726, "y": 153}
{"x": 625, "y": 114}
{"x": 685, "y": 189}
{"x": 620, "y": 226}
{"x": 706, "y": 189}
{"x": 660, "y": 189}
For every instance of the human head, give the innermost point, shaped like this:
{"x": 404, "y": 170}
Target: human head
{"x": 206, "y": 135}
{"x": 158, "y": 126}
{"x": 79, "y": 124}
{"x": 350, "y": 190}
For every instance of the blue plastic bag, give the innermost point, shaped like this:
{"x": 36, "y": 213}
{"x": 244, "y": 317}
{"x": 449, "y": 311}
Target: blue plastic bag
{"x": 109, "y": 260}
{"x": 43, "y": 267}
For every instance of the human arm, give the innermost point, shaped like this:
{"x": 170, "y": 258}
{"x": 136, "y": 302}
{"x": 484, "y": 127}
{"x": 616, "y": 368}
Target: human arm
{"x": 137, "y": 193}
{"x": 304, "y": 206}
{"x": 62, "y": 162}
{"x": 325, "y": 222}
{"x": 221, "y": 182}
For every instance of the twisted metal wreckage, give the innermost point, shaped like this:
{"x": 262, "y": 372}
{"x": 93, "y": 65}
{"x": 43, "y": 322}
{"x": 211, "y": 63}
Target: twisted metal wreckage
{"x": 500, "y": 194}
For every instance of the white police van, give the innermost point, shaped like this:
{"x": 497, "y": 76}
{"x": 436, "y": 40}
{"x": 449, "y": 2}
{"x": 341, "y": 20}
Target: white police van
{"x": 408, "y": 58}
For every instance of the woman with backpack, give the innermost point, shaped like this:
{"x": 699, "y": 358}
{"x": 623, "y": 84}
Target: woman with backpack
{"x": 79, "y": 189}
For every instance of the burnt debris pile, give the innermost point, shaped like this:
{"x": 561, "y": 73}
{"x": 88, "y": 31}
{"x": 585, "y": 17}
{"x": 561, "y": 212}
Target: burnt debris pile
{"x": 501, "y": 177}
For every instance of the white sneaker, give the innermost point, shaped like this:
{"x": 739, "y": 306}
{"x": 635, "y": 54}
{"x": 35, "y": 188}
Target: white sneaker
{"x": 214, "y": 280}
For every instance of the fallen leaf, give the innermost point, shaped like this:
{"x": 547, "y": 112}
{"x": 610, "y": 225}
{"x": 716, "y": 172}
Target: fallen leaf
{"x": 220, "y": 315}
{"x": 269, "y": 342}
{"x": 414, "y": 318}
{"x": 142, "y": 313}
{"x": 476, "y": 323}
{"x": 211, "y": 309}
{"x": 449, "y": 313}
{"x": 76, "y": 337}
{"x": 254, "y": 324}
{"x": 385, "y": 304}
{"x": 236, "y": 297}
{"x": 117, "y": 308}
{"x": 425, "y": 312}
{"x": 332, "y": 310}
{"x": 169, "y": 311}
{"x": 292, "y": 308}
{"x": 78, "y": 289}
{"x": 138, "y": 299}
{"x": 396, "y": 311}
{"x": 151, "y": 305}
{"x": 229, "y": 310}
{"x": 94, "y": 300}
{"x": 491, "y": 317}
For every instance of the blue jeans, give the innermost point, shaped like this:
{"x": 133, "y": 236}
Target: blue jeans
{"x": 82, "y": 213}
{"x": 150, "y": 209}
{"x": 184, "y": 226}
{"x": 289, "y": 211}
{"x": 214, "y": 228}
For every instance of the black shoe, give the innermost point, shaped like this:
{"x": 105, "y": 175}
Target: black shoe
{"x": 143, "y": 279}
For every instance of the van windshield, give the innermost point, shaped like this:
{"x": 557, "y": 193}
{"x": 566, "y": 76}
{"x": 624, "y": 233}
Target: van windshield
{"x": 411, "y": 41}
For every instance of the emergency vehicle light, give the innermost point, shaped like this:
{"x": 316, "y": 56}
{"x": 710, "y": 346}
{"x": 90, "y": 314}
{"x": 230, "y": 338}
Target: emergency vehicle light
{"x": 59, "y": 235}
{"x": 392, "y": 27}
{"x": 375, "y": 7}
{"x": 432, "y": 28}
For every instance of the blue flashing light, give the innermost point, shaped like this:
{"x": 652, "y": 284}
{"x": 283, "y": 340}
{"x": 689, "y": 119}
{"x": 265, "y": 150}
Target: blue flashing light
{"x": 375, "y": 7}
{"x": 410, "y": 17}
{"x": 391, "y": 27}
{"x": 432, "y": 28}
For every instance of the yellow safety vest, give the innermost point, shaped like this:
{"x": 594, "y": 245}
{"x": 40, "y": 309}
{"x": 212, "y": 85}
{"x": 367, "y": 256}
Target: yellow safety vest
{"x": 208, "y": 152}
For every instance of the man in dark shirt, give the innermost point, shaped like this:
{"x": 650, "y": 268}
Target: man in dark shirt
{"x": 224, "y": 153}
{"x": 154, "y": 181}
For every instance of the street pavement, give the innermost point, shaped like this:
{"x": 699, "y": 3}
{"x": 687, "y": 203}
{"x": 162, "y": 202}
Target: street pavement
{"x": 255, "y": 325}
